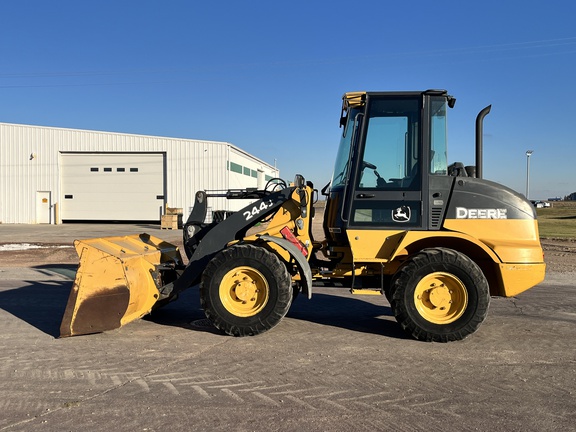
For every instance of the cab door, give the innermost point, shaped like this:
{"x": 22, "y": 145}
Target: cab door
{"x": 388, "y": 181}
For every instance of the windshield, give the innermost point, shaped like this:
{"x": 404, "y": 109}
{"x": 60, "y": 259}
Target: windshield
{"x": 343, "y": 156}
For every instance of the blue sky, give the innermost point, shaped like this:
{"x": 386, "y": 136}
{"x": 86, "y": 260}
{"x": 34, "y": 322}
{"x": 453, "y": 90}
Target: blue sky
{"x": 268, "y": 76}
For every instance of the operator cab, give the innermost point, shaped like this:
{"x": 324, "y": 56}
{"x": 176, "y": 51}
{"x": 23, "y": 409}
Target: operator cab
{"x": 393, "y": 144}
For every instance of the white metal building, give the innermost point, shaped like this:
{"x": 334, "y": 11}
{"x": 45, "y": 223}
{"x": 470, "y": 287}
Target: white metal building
{"x": 51, "y": 175}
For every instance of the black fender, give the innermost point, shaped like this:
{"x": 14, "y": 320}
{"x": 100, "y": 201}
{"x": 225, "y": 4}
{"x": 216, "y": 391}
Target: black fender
{"x": 301, "y": 262}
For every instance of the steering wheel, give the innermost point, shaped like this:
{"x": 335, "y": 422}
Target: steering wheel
{"x": 275, "y": 184}
{"x": 368, "y": 165}
{"x": 380, "y": 181}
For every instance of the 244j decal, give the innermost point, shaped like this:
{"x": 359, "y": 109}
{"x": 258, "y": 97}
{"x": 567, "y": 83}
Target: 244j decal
{"x": 256, "y": 210}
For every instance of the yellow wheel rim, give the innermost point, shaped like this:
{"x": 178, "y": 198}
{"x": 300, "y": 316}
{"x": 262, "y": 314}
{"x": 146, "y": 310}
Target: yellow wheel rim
{"x": 441, "y": 298}
{"x": 244, "y": 291}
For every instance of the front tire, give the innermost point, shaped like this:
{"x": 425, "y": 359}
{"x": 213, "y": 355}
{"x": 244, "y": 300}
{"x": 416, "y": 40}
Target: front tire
{"x": 245, "y": 290}
{"x": 440, "y": 295}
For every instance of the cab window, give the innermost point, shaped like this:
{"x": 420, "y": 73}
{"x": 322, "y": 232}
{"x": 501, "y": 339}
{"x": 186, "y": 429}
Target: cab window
{"x": 390, "y": 158}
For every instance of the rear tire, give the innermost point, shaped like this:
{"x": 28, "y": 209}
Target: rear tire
{"x": 245, "y": 290}
{"x": 440, "y": 295}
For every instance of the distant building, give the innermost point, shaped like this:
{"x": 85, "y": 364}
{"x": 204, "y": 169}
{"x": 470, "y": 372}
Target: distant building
{"x": 571, "y": 197}
{"x": 54, "y": 175}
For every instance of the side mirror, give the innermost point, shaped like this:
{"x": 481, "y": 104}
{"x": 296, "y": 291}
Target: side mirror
{"x": 300, "y": 184}
{"x": 299, "y": 181}
{"x": 303, "y": 203}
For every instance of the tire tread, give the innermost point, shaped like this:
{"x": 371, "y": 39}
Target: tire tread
{"x": 438, "y": 259}
{"x": 239, "y": 326}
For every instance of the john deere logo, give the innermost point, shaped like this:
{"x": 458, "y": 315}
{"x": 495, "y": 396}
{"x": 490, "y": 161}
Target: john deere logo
{"x": 401, "y": 214}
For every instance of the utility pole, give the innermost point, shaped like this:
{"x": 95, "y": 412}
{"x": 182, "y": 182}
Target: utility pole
{"x": 528, "y": 154}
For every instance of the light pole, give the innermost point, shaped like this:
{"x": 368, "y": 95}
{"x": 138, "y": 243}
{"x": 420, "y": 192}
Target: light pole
{"x": 528, "y": 154}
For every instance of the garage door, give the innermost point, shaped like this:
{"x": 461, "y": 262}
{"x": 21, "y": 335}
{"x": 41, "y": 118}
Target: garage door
{"x": 112, "y": 186}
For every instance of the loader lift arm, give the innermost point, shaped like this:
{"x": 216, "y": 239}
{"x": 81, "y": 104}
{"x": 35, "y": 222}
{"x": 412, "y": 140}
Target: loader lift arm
{"x": 203, "y": 242}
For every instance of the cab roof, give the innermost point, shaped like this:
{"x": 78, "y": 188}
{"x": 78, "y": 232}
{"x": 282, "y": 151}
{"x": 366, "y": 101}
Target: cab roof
{"x": 358, "y": 98}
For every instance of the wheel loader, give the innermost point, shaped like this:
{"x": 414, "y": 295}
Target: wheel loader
{"x": 435, "y": 238}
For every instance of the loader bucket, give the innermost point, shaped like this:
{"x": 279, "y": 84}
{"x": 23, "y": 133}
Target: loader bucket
{"x": 117, "y": 282}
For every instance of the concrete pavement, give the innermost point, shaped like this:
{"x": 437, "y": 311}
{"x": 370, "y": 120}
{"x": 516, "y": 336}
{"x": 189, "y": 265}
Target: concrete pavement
{"x": 67, "y": 233}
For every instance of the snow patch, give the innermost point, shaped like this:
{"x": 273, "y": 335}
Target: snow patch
{"x": 27, "y": 246}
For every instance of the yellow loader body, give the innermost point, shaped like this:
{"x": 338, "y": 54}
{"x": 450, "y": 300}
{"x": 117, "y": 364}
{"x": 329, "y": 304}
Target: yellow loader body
{"x": 438, "y": 240}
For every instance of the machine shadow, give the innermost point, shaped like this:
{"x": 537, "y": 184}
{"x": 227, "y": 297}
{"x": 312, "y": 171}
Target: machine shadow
{"x": 39, "y": 303}
{"x": 351, "y": 313}
{"x": 184, "y": 312}
{"x": 354, "y": 314}
{"x": 42, "y": 303}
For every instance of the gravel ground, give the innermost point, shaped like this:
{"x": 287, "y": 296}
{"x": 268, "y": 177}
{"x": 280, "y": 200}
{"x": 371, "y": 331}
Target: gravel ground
{"x": 560, "y": 255}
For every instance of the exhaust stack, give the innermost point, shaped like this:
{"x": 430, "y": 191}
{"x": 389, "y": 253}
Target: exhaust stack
{"x": 479, "y": 139}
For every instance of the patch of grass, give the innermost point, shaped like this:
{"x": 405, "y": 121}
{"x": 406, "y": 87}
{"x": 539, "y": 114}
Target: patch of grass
{"x": 558, "y": 221}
